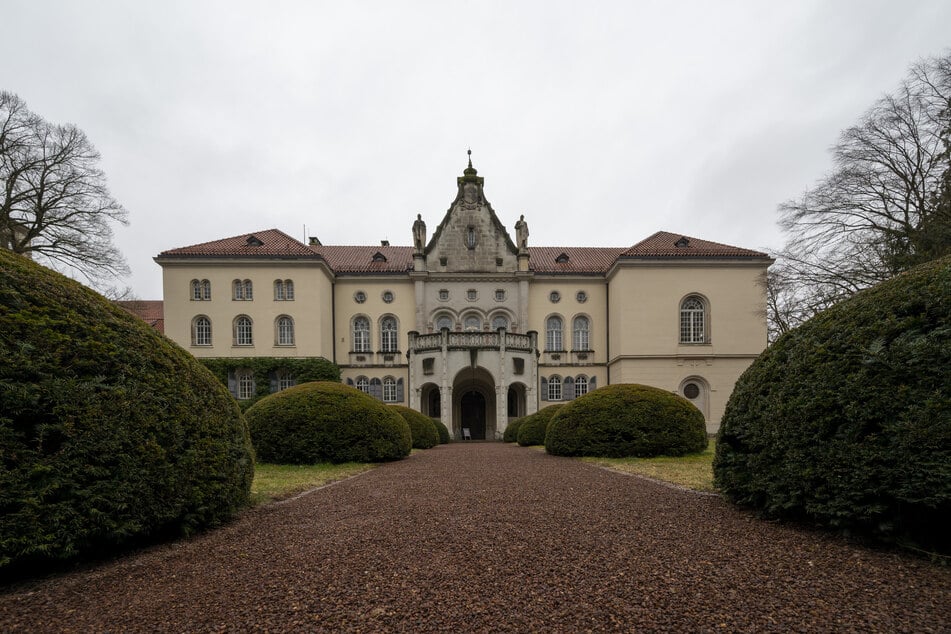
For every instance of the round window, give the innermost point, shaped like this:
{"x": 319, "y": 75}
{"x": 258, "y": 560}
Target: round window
{"x": 554, "y": 297}
{"x": 388, "y": 297}
{"x": 691, "y": 390}
{"x": 359, "y": 297}
{"x": 582, "y": 297}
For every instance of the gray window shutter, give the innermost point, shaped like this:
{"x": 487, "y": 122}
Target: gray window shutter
{"x": 592, "y": 383}
{"x": 568, "y": 389}
{"x": 376, "y": 389}
{"x": 399, "y": 390}
{"x": 544, "y": 394}
{"x": 350, "y": 382}
{"x": 233, "y": 384}
{"x": 272, "y": 376}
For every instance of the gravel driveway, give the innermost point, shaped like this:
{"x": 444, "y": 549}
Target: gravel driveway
{"x": 492, "y": 537}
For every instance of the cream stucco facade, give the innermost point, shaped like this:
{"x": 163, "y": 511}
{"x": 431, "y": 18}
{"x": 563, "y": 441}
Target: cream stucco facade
{"x": 471, "y": 326}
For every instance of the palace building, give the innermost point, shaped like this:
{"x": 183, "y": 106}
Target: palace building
{"x": 471, "y": 326}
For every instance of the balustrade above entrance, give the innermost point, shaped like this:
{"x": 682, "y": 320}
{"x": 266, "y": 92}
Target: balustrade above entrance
{"x": 500, "y": 340}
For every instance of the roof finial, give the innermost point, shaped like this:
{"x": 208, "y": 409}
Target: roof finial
{"x": 469, "y": 152}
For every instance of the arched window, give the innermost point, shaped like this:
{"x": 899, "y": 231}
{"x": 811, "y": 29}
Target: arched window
{"x": 242, "y": 290}
{"x": 553, "y": 334}
{"x": 389, "y": 337}
{"x": 200, "y": 290}
{"x": 581, "y": 341}
{"x": 389, "y": 390}
{"x": 554, "y": 388}
{"x": 245, "y": 380}
{"x": 289, "y": 290}
{"x": 500, "y": 321}
{"x": 201, "y": 331}
{"x": 205, "y": 290}
{"x": 443, "y": 321}
{"x": 692, "y": 320}
{"x": 285, "y": 380}
{"x": 473, "y": 323}
{"x": 285, "y": 331}
{"x": 581, "y": 385}
{"x": 363, "y": 384}
{"x": 243, "y": 334}
{"x": 361, "y": 334}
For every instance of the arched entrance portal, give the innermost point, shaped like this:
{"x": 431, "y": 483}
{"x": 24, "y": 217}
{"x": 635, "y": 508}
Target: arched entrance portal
{"x": 473, "y": 404}
{"x": 473, "y": 414}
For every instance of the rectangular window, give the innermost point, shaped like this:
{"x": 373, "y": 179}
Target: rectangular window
{"x": 389, "y": 391}
{"x": 554, "y": 389}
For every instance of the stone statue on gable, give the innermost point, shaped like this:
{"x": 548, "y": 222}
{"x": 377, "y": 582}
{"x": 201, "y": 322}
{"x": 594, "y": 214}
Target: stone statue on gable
{"x": 419, "y": 233}
{"x": 521, "y": 232}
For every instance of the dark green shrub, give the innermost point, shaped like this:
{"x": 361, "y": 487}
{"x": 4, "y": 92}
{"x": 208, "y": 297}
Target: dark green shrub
{"x": 511, "y": 431}
{"x": 533, "y": 427}
{"x": 846, "y": 421}
{"x": 326, "y": 422}
{"x": 109, "y": 433}
{"x": 443, "y": 431}
{"x": 421, "y": 427}
{"x": 265, "y": 372}
{"x": 622, "y": 420}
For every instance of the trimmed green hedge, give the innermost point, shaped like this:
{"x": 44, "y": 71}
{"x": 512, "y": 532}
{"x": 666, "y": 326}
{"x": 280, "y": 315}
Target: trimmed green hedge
{"x": 326, "y": 422}
{"x": 443, "y": 431}
{"x": 110, "y": 434}
{"x": 534, "y": 426}
{"x": 511, "y": 430}
{"x": 846, "y": 421}
{"x": 623, "y": 420}
{"x": 264, "y": 370}
{"x": 424, "y": 432}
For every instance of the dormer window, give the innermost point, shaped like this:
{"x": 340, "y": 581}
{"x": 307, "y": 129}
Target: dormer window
{"x": 470, "y": 237}
{"x": 682, "y": 243}
{"x": 561, "y": 259}
{"x": 379, "y": 257}
{"x": 253, "y": 241}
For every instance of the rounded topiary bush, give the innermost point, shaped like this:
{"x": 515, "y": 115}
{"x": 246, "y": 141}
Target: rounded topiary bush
{"x": 511, "y": 430}
{"x": 627, "y": 420}
{"x": 326, "y": 422}
{"x": 846, "y": 420}
{"x": 421, "y": 427}
{"x": 109, "y": 433}
{"x": 533, "y": 427}
{"x": 442, "y": 430}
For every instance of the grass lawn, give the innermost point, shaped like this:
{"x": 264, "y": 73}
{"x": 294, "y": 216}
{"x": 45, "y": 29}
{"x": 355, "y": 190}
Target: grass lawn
{"x": 694, "y": 471}
{"x": 279, "y": 481}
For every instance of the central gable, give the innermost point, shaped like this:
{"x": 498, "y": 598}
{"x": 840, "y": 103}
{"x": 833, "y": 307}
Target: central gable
{"x": 470, "y": 238}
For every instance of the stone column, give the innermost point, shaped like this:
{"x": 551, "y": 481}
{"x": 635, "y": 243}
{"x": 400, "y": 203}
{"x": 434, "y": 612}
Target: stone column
{"x": 420, "y": 306}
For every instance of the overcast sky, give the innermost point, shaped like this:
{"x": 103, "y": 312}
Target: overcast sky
{"x": 601, "y": 122}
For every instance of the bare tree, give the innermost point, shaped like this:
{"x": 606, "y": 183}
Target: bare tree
{"x": 55, "y": 204}
{"x": 877, "y": 213}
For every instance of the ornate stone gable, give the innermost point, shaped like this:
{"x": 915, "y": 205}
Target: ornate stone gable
{"x": 470, "y": 238}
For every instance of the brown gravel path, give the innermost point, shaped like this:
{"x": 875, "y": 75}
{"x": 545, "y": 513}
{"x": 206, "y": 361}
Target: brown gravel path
{"x": 491, "y": 537}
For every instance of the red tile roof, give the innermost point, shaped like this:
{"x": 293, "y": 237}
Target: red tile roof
{"x": 674, "y": 245}
{"x": 360, "y": 259}
{"x": 578, "y": 260}
{"x": 266, "y": 243}
{"x": 151, "y": 311}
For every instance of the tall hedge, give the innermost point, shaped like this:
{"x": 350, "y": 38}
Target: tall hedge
{"x": 424, "y": 432}
{"x": 532, "y": 429}
{"x": 442, "y": 430}
{"x": 627, "y": 419}
{"x": 326, "y": 422}
{"x": 264, "y": 369}
{"x": 109, "y": 432}
{"x": 846, "y": 421}
{"x": 511, "y": 430}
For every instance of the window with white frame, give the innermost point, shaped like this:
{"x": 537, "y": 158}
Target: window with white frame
{"x": 285, "y": 331}
{"x": 363, "y": 384}
{"x": 581, "y": 385}
{"x": 389, "y": 390}
{"x": 242, "y": 290}
{"x": 201, "y": 290}
{"x": 243, "y": 334}
{"x": 389, "y": 337}
{"x": 283, "y": 290}
{"x": 245, "y": 381}
{"x": 692, "y": 320}
{"x": 201, "y": 331}
{"x": 285, "y": 380}
{"x": 361, "y": 334}
{"x": 581, "y": 329}
{"x": 553, "y": 335}
{"x": 554, "y": 388}
{"x": 500, "y": 321}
